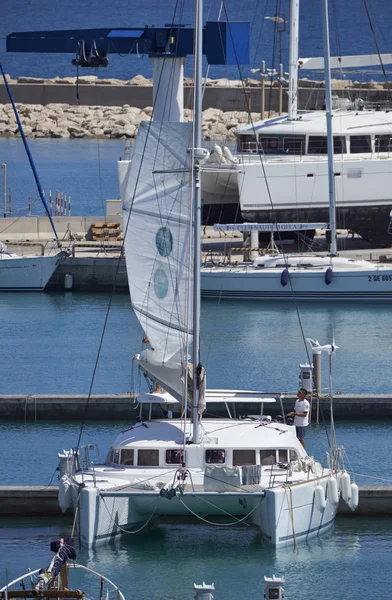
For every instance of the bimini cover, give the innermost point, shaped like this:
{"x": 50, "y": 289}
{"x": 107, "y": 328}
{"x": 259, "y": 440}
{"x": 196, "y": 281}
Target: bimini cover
{"x": 157, "y": 229}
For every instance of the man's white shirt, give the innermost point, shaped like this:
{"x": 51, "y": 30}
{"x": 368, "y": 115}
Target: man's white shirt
{"x": 300, "y": 407}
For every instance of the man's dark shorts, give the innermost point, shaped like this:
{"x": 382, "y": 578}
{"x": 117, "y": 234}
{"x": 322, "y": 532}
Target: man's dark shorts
{"x": 301, "y": 431}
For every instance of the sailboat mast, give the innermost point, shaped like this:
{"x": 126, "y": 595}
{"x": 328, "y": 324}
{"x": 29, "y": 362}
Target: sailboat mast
{"x": 328, "y": 110}
{"x": 293, "y": 61}
{"x": 197, "y": 141}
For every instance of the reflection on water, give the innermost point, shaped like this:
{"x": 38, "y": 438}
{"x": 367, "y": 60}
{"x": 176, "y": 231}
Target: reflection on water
{"x": 51, "y": 344}
{"x": 165, "y": 562}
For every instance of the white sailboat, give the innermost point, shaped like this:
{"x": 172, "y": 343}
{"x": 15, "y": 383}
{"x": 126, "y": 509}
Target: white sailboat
{"x": 55, "y": 580}
{"x": 27, "y": 273}
{"x": 307, "y": 277}
{"x": 240, "y": 467}
{"x": 292, "y": 150}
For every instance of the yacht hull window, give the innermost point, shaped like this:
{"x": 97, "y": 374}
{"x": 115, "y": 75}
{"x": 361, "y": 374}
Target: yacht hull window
{"x": 127, "y": 457}
{"x": 383, "y": 143}
{"x": 244, "y": 457}
{"x": 360, "y": 144}
{"x": 148, "y": 458}
{"x": 174, "y": 457}
{"x": 215, "y": 457}
{"x": 317, "y": 144}
{"x": 282, "y": 144}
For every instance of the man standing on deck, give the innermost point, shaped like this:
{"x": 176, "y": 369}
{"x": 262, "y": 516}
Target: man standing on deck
{"x": 301, "y": 415}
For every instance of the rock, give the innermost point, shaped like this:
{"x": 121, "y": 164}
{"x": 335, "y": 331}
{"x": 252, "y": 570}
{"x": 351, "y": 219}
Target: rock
{"x": 139, "y": 80}
{"x": 75, "y": 131}
{"x": 30, "y": 80}
{"x": 87, "y": 80}
{"x": 249, "y": 82}
{"x": 110, "y": 82}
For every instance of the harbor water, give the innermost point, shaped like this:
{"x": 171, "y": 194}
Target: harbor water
{"x": 50, "y": 344}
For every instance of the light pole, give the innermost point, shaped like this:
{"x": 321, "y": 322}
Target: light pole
{"x": 280, "y": 27}
{"x": 4, "y": 166}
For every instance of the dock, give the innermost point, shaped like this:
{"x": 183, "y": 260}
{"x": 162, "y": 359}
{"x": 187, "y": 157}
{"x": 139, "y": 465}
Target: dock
{"x": 98, "y": 265}
{"x": 24, "y": 501}
{"x": 67, "y": 407}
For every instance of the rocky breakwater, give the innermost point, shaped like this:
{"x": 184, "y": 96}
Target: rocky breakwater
{"x": 116, "y": 122}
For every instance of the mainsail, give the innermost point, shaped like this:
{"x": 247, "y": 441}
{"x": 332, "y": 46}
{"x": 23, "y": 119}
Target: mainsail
{"x": 157, "y": 227}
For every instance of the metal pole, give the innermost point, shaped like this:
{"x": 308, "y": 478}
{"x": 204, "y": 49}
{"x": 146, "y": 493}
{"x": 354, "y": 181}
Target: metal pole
{"x": 197, "y": 139}
{"x": 10, "y": 201}
{"x": 280, "y": 89}
{"x": 262, "y": 75}
{"x": 328, "y": 110}
{"x": 29, "y": 206}
{"x": 4, "y": 167}
{"x": 317, "y": 372}
{"x": 293, "y": 60}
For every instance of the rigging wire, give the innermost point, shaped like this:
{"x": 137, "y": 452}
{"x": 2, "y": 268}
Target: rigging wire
{"x": 377, "y": 48}
{"x": 137, "y": 178}
{"x": 268, "y": 191}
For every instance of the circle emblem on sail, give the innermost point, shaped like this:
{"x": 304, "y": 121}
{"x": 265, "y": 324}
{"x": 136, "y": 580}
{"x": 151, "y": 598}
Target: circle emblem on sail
{"x": 164, "y": 241}
{"x": 161, "y": 283}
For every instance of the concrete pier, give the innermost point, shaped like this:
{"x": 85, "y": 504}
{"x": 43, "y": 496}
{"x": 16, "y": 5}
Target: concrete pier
{"x": 139, "y": 96}
{"x": 42, "y": 501}
{"x": 44, "y": 407}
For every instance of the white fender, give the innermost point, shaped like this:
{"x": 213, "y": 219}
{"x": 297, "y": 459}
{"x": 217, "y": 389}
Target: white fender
{"x": 65, "y": 493}
{"x": 333, "y": 491}
{"x": 219, "y": 154}
{"x": 354, "y": 497}
{"x": 227, "y": 154}
{"x": 346, "y": 487}
{"x": 319, "y": 498}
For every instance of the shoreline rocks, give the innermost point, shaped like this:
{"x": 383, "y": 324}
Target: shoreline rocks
{"x": 114, "y": 122}
{"x": 140, "y": 80}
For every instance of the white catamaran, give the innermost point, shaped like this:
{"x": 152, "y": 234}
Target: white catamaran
{"x": 280, "y": 170}
{"x": 306, "y": 276}
{"x": 242, "y": 466}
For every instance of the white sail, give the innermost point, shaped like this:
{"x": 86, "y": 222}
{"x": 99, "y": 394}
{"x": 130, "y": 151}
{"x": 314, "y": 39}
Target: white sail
{"x": 346, "y": 62}
{"x": 157, "y": 226}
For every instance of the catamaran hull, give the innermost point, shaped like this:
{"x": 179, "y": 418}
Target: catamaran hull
{"x": 26, "y": 273}
{"x": 250, "y": 283}
{"x": 284, "y": 515}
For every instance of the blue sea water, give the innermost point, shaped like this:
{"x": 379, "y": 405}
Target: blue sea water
{"x": 50, "y": 344}
{"x": 349, "y": 24}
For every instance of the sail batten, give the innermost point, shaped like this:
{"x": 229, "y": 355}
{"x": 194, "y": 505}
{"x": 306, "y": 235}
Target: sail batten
{"x": 158, "y": 233}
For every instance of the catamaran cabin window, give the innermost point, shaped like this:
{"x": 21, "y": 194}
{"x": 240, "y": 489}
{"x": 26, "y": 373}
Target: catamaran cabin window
{"x": 244, "y": 457}
{"x": 114, "y": 456}
{"x": 293, "y": 455}
{"x": 294, "y": 144}
{"x": 360, "y": 143}
{"x": 267, "y": 457}
{"x": 148, "y": 458}
{"x": 317, "y": 144}
{"x": 383, "y": 143}
{"x": 246, "y": 143}
{"x": 174, "y": 457}
{"x": 215, "y": 457}
{"x": 282, "y": 144}
{"x": 126, "y": 456}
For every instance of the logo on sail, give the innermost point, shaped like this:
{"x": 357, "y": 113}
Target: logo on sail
{"x": 164, "y": 241}
{"x": 161, "y": 283}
